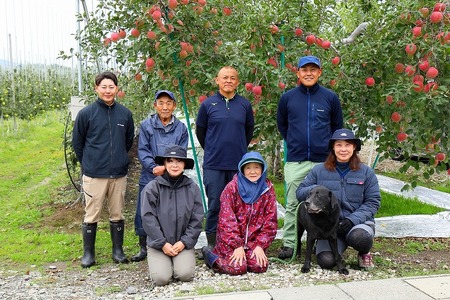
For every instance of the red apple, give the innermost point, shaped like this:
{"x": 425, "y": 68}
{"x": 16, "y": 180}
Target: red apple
{"x": 173, "y": 4}
{"x": 335, "y": 60}
{"x": 411, "y": 49}
{"x": 396, "y": 117}
{"x": 281, "y": 85}
{"x": 310, "y": 39}
{"x": 115, "y": 37}
{"x": 273, "y": 29}
{"x": 326, "y": 44}
{"x": 402, "y": 136}
{"x": 416, "y": 31}
{"x": 122, "y": 33}
{"x": 150, "y": 62}
{"x": 440, "y": 156}
{"x": 436, "y": 17}
{"x": 410, "y": 70}
{"x": 439, "y": 7}
{"x": 138, "y": 77}
{"x": 332, "y": 82}
{"x": 227, "y": 11}
{"x": 202, "y": 98}
{"x": 389, "y": 99}
{"x": 135, "y": 32}
{"x": 257, "y": 90}
{"x": 424, "y": 11}
{"x": 151, "y": 35}
{"x": 370, "y": 81}
{"x": 248, "y": 86}
{"x": 418, "y": 86}
{"x": 432, "y": 73}
{"x": 424, "y": 65}
{"x": 121, "y": 94}
{"x": 156, "y": 15}
{"x": 183, "y": 53}
{"x": 399, "y": 68}
{"x": 298, "y": 31}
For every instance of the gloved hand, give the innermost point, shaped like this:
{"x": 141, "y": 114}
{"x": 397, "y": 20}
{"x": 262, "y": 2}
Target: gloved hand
{"x": 344, "y": 227}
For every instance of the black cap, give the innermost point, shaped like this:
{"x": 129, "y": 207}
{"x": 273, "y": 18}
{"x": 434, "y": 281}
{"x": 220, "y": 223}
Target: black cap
{"x": 175, "y": 151}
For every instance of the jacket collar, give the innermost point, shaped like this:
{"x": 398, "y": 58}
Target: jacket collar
{"x": 311, "y": 89}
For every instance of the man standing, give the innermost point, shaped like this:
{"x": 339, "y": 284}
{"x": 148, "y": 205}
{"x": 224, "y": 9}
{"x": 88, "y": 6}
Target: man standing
{"x": 103, "y": 134}
{"x": 307, "y": 116}
{"x": 224, "y": 128}
{"x": 156, "y": 134}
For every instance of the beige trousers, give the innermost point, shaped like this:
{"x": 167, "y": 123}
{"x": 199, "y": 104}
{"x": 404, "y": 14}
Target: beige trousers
{"x": 162, "y": 267}
{"x": 96, "y": 190}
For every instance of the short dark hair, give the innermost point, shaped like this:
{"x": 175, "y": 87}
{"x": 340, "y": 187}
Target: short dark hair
{"x": 106, "y": 75}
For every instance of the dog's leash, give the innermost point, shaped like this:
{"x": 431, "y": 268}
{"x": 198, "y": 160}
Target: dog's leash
{"x": 294, "y": 254}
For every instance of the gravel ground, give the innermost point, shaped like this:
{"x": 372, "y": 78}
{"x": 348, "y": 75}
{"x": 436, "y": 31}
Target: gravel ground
{"x": 131, "y": 281}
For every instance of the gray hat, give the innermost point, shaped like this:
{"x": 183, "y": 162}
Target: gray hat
{"x": 175, "y": 151}
{"x": 308, "y": 60}
{"x": 168, "y": 93}
{"x": 345, "y": 135}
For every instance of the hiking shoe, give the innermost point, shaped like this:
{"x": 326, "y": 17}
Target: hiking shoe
{"x": 365, "y": 261}
{"x": 285, "y": 252}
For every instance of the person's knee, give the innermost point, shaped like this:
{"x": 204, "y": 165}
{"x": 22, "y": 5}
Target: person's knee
{"x": 326, "y": 260}
{"x": 160, "y": 279}
{"x": 184, "y": 275}
{"x": 360, "y": 240}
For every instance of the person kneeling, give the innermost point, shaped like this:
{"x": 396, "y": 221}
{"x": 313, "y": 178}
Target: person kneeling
{"x": 172, "y": 216}
{"x": 247, "y": 222}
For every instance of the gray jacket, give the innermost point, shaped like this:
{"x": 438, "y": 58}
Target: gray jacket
{"x": 358, "y": 192}
{"x": 171, "y": 214}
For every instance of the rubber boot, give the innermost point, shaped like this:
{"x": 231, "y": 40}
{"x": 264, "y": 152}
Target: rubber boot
{"x": 143, "y": 249}
{"x": 89, "y": 231}
{"x": 211, "y": 238}
{"x": 117, "y": 231}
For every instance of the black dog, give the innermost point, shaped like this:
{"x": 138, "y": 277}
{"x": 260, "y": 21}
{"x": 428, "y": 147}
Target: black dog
{"x": 319, "y": 216}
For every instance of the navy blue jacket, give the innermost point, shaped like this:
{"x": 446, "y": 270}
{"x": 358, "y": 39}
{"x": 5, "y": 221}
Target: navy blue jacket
{"x": 224, "y": 129}
{"x": 306, "y": 119}
{"x": 154, "y": 138}
{"x": 358, "y": 192}
{"x": 101, "y": 138}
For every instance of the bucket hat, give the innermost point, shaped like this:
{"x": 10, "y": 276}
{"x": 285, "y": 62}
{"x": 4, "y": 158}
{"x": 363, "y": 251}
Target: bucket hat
{"x": 175, "y": 151}
{"x": 346, "y": 135}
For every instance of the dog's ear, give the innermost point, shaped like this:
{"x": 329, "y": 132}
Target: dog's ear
{"x": 333, "y": 199}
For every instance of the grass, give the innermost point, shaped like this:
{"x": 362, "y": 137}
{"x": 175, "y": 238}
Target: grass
{"x": 36, "y": 199}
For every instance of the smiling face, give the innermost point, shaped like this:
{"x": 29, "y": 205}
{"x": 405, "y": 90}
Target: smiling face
{"x": 164, "y": 107}
{"x": 252, "y": 171}
{"x": 309, "y": 74}
{"x": 107, "y": 90}
{"x": 174, "y": 166}
{"x": 343, "y": 150}
{"x": 227, "y": 81}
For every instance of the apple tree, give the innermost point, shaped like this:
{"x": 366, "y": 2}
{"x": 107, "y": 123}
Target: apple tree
{"x": 181, "y": 45}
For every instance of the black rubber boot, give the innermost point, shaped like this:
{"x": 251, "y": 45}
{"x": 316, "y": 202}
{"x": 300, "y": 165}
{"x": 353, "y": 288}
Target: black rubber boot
{"x": 211, "y": 238}
{"x": 143, "y": 249}
{"x": 89, "y": 231}
{"x": 117, "y": 231}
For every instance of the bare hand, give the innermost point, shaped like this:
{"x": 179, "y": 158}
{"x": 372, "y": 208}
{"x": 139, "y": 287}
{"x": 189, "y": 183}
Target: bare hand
{"x": 238, "y": 256}
{"x": 178, "y": 246}
{"x": 169, "y": 250}
{"x": 158, "y": 170}
{"x": 260, "y": 256}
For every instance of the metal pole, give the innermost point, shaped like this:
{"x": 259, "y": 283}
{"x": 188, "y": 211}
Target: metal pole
{"x": 80, "y": 60}
{"x": 12, "y": 82}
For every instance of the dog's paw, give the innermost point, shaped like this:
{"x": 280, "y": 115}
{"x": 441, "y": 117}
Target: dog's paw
{"x": 343, "y": 271}
{"x": 305, "y": 269}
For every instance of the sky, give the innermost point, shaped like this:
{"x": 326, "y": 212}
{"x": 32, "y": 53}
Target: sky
{"x": 38, "y": 30}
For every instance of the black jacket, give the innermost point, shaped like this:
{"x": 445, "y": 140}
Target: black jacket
{"x": 101, "y": 138}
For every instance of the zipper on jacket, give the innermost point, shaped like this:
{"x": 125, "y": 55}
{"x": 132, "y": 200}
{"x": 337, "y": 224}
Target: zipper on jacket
{"x": 309, "y": 123}
{"x": 110, "y": 142}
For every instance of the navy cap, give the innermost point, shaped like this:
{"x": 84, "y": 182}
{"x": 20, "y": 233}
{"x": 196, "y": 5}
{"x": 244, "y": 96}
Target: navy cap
{"x": 308, "y": 60}
{"x": 346, "y": 135}
{"x": 168, "y": 93}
